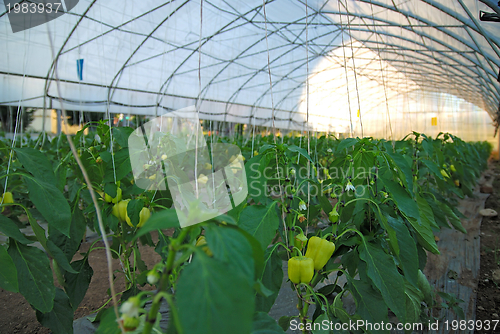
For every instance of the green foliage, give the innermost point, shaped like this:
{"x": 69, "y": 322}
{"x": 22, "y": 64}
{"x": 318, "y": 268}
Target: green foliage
{"x": 391, "y": 197}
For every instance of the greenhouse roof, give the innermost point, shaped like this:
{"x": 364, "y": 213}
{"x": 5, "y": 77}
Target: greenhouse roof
{"x": 250, "y": 62}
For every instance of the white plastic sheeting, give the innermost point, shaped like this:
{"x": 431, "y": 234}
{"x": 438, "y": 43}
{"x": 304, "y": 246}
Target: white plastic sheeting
{"x": 374, "y": 67}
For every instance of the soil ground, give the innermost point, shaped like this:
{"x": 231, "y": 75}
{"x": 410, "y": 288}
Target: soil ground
{"x": 488, "y": 292}
{"x": 17, "y": 316}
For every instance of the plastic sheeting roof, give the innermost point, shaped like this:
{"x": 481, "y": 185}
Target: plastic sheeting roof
{"x": 382, "y": 59}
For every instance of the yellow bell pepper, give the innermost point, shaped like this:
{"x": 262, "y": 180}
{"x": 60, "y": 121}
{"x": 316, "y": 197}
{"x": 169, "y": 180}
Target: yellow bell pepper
{"x": 320, "y": 250}
{"x": 300, "y": 269}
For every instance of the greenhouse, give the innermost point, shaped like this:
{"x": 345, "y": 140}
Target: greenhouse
{"x": 312, "y": 166}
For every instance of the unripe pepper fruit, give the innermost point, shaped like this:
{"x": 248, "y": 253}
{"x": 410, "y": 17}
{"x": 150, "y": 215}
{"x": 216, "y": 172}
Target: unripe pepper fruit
{"x": 300, "y": 240}
{"x": 320, "y": 250}
{"x": 202, "y": 242}
{"x": 7, "y": 198}
{"x": 130, "y": 323}
{"x": 333, "y": 216}
{"x": 116, "y": 199}
{"x": 300, "y": 269}
{"x": 143, "y": 217}
{"x": 120, "y": 210}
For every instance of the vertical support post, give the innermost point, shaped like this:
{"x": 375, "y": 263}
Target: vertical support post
{"x": 58, "y": 121}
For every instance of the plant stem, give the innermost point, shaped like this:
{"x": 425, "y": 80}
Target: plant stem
{"x": 155, "y": 307}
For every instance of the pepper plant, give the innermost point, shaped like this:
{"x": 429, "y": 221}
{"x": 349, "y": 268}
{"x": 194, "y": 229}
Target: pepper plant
{"x": 360, "y": 211}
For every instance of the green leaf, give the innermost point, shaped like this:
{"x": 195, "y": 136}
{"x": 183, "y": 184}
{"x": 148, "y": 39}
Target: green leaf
{"x": 77, "y": 284}
{"x": 345, "y": 144}
{"x": 60, "y": 318}
{"x": 422, "y": 257}
{"x": 325, "y": 203}
{"x": 402, "y": 164}
{"x": 301, "y": 151}
{"x": 322, "y": 325}
{"x": 51, "y": 203}
{"x": 59, "y": 256}
{"x": 257, "y": 252}
{"x": 272, "y": 277}
{"x": 134, "y": 207}
{"x": 408, "y": 256}
{"x": 424, "y": 235}
{"x": 61, "y": 175}
{"x": 405, "y": 203}
{"x": 390, "y": 232}
{"x": 37, "y": 229}
{"x": 111, "y": 189}
{"x": 350, "y": 261}
{"x": 452, "y": 217}
{"x": 433, "y": 168}
{"x": 426, "y": 214}
{"x": 428, "y": 147}
{"x": 69, "y": 245}
{"x": 8, "y": 274}
{"x": 207, "y": 293}
{"x": 108, "y": 323}
{"x": 121, "y": 166}
{"x": 329, "y": 289}
{"x": 284, "y": 322}
{"x": 230, "y": 246}
{"x": 159, "y": 221}
{"x": 262, "y": 290}
{"x": 439, "y": 216}
{"x": 261, "y": 222}
{"x": 264, "y": 324}
{"x": 37, "y": 164}
{"x": 234, "y": 213}
{"x": 121, "y": 134}
{"x": 413, "y": 300}
{"x": 10, "y": 229}
{"x": 369, "y": 303}
{"x": 338, "y": 309}
{"x": 256, "y": 180}
{"x": 34, "y": 275}
{"x": 384, "y": 274}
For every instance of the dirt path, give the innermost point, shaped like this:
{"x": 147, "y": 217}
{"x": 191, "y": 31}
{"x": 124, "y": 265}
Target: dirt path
{"x": 488, "y": 291}
{"x": 17, "y": 316}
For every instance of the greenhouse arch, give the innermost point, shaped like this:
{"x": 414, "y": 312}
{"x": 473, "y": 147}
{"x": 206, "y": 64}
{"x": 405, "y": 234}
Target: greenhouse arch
{"x": 232, "y": 166}
{"x": 140, "y": 62}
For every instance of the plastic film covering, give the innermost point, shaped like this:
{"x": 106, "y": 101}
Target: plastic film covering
{"x": 374, "y": 67}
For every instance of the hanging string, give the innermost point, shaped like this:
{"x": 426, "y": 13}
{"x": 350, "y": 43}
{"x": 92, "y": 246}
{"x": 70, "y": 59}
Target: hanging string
{"x": 346, "y": 72}
{"x": 382, "y": 73}
{"x": 80, "y": 121}
{"x": 273, "y": 117}
{"x": 354, "y": 69}
{"x": 307, "y": 120}
{"x": 19, "y": 113}
{"x": 108, "y": 103}
{"x": 91, "y": 190}
{"x": 253, "y": 134}
{"x": 198, "y": 101}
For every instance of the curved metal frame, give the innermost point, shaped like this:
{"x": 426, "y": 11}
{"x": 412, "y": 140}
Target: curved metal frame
{"x": 483, "y": 84}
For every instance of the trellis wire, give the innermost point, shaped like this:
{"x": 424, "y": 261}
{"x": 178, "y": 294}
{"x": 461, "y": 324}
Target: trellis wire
{"x": 273, "y": 116}
{"x": 16, "y": 126}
